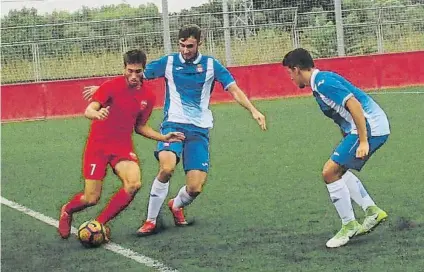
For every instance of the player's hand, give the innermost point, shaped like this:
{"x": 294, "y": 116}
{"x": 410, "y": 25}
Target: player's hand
{"x": 260, "y": 118}
{"x": 362, "y": 150}
{"x": 103, "y": 113}
{"x": 88, "y": 92}
{"x": 174, "y": 137}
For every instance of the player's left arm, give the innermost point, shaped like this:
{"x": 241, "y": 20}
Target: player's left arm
{"x": 242, "y": 99}
{"x": 143, "y": 128}
{"x": 156, "y": 68}
{"x": 355, "y": 109}
{"x": 337, "y": 92}
{"x": 223, "y": 76}
{"x": 148, "y": 132}
{"x": 89, "y": 91}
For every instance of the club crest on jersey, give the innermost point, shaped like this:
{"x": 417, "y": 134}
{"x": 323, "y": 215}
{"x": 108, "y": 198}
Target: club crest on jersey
{"x": 199, "y": 68}
{"x": 143, "y": 104}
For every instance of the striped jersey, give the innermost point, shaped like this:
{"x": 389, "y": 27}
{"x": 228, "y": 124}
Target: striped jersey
{"x": 188, "y": 87}
{"x": 331, "y": 91}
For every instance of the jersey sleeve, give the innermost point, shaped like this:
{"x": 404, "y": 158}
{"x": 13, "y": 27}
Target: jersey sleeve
{"x": 334, "y": 90}
{"x": 222, "y": 75}
{"x": 103, "y": 93}
{"x": 156, "y": 68}
{"x": 144, "y": 115}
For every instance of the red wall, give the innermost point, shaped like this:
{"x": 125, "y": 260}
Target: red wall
{"x": 64, "y": 98}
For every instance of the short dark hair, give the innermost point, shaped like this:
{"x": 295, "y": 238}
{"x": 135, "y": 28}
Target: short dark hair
{"x": 188, "y": 31}
{"x": 299, "y": 58}
{"x": 135, "y": 56}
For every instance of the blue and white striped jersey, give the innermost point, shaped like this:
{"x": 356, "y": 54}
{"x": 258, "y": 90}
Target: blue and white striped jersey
{"x": 188, "y": 87}
{"x": 331, "y": 91}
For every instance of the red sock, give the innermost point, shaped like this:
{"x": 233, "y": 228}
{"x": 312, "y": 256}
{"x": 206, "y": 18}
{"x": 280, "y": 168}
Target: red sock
{"x": 117, "y": 203}
{"x": 75, "y": 204}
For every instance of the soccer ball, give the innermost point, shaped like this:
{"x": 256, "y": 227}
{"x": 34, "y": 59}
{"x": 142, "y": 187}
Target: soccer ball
{"x": 92, "y": 233}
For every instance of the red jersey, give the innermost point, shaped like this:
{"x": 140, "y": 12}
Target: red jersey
{"x": 128, "y": 107}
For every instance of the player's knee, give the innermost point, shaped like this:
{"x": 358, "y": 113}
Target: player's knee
{"x": 194, "y": 189}
{"x": 332, "y": 171}
{"x": 326, "y": 175}
{"x": 92, "y": 199}
{"x": 166, "y": 172}
{"x": 329, "y": 175}
{"x": 132, "y": 186}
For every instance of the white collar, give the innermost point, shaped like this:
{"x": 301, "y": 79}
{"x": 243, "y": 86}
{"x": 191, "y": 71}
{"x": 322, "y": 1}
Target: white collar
{"x": 196, "y": 61}
{"x": 314, "y": 74}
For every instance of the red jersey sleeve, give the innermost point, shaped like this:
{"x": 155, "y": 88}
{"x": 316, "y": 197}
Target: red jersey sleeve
{"x": 103, "y": 93}
{"x": 144, "y": 114}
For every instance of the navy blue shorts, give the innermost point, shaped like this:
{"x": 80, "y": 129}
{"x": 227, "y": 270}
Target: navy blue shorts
{"x": 345, "y": 152}
{"x": 194, "y": 150}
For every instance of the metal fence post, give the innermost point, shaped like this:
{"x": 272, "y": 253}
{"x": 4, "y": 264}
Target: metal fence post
{"x": 124, "y": 44}
{"x": 123, "y": 39}
{"x": 227, "y": 34}
{"x": 36, "y": 55}
{"x": 166, "y": 31}
{"x": 295, "y": 32}
{"x": 380, "y": 38}
{"x": 36, "y": 62}
{"x": 339, "y": 28}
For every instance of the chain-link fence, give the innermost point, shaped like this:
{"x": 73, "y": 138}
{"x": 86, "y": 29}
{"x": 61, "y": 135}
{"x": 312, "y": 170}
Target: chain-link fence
{"x": 240, "y": 32}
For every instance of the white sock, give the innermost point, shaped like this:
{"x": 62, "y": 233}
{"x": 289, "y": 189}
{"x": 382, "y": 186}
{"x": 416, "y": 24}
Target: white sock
{"x": 339, "y": 194}
{"x": 357, "y": 191}
{"x": 182, "y": 199}
{"x": 158, "y": 194}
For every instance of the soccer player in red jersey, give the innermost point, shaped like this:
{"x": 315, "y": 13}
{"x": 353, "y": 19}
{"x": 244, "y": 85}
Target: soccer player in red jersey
{"x": 119, "y": 106}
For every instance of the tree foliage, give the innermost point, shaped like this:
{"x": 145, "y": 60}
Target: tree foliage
{"x": 110, "y": 29}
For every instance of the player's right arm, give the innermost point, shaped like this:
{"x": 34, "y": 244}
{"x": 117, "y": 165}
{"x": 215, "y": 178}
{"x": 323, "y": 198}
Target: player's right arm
{"x": 355, "y": 109}
{"x": 97, "y": 109}
{"x": 156, "y": 68}
{"x": 94, "y": 111}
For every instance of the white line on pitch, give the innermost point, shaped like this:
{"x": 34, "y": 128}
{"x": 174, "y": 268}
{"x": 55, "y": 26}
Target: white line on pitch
{"x": 128, "y": 253}
{"x": 396, "y": 92}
